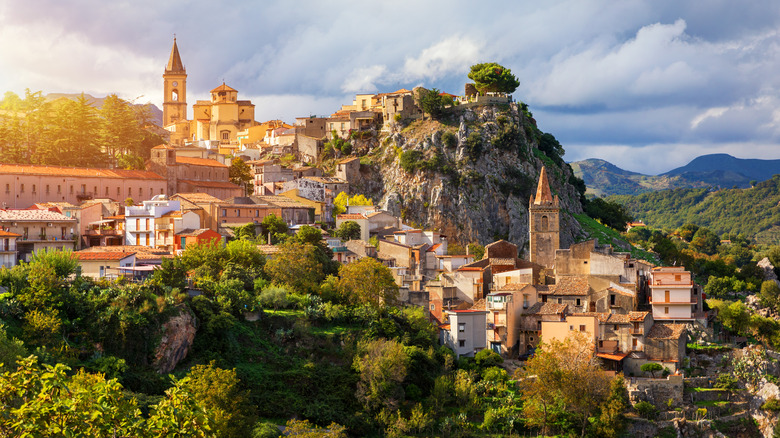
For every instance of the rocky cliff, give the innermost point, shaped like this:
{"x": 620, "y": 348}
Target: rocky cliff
{"x": 469, "y": 175}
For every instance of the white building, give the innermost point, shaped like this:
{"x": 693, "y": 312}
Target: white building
{"x": 673, "y": 295}
{"x": 154, "y": 223}
{"x": 465, "y": 334}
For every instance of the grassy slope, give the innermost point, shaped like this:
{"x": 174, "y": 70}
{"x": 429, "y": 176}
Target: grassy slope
{"x": 608, "y": 236}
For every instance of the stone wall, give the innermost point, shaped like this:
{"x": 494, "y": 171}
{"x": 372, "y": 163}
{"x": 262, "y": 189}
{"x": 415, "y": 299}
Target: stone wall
{"x": 656, "y": 391}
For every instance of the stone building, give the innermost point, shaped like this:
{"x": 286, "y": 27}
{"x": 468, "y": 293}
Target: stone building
{"x": 191, "y": 175}
{"x": 175, "y": 98}
{"x": 222, "y": 117}
{"x": 544, "y": 226}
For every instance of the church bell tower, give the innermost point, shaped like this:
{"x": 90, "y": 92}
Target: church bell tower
{"x": 544, "y": 227}
{"x": 175, "y": 89}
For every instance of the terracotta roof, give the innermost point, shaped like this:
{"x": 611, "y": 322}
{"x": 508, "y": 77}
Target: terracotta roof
{"x": 350, "y": 216}
{"x": 607, "y": 318}
{"x": 33, "y": 215}
{"x": 77, "y": 172}
{"x": 570, "y": 285}
{"x": 470, "y": 268}
{"x": 618, "y": 356}
{"x": 546, "y": 309}
{"x": 163, "y": 146}
{"x": 4, "y": 233}
{"x": 513, "y": 286}
{"x": 196, "y": 198}
{"x": 193, "y": 233}
{"x": 434, "y": 247}
{"x": 376, "y": 213}
{"x": 620, "y": 292}
{"x": 479, "y": 304}
{"x": 211, "y": 184}
{"x": 94, "y": 255}
{"x": 637, "y": 316}
{"x": 174, "y": 213}
{"x": 199, "y": 161}
{"x": 666, "y": 331}
{"x": 223, "y": 87}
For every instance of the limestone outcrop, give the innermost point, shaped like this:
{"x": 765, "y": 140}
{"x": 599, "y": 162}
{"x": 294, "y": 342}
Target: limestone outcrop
{"x": 177, "y": 335}
{"x": 474, "y": 176}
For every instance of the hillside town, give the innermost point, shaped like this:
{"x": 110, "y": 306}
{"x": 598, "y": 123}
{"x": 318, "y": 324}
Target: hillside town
{"x": 501, "y": 300}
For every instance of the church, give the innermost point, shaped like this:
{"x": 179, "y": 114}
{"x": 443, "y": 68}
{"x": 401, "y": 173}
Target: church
{"x": 218, "y": 119}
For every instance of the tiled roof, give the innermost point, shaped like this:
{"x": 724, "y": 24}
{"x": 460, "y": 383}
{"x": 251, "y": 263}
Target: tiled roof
{"x": 637, "y": 316}
{"x": 223, "y": 87}
{"x": 33, "y": 215}
{"x": 570, "y": 285}
{"x": 280, "y": 201}
{"x": 666, "y": 331}
{"x": 326, "y": 179}
{"x": 350, "y": 216}
{"x": 479, "y": 304}
{"x": 513, "y": 286}
{"x": 198, "y": 198}
{"x": 193, "y": 233}
{"x": 199, "y": 161}
{"x": 138, "y": 249}
{"x": 607, "y": 318}
{"x": 434, "y": 247}
{"x": 211, "y": 184}
{"x": 94, "y": 255}
{"x": 4, "y": 233}
{"x": 502, "y": 261}
{"x": 620, "y": 292}
{"x": 546, "y": 309}
{"x": 77, "y": 172}
{"x": 174, "y": 213}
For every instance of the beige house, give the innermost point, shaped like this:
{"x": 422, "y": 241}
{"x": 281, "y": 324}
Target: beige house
{"x": 8, "y": 254}
{"x": 97, "y": 264}
{"x": 222, "y": 117}
{"x": 39, "y": 229}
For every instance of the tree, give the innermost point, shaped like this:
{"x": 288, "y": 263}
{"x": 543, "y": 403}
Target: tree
{"x": 10, "y": 350}
{"x": 246, "y": 231}
{"x": 275, "y": 226}
{"x": 368, "y": 281}
{"x": 651, "y": 367}
{"x": 120, "y": 132}
{"x": 241, "y": 175}
{"x": 348, "y": 230}
{"x": 219, "y": 392}
{"x": 297, "y": 266}
{"x": 609, "y": 213}
{"x": 492, "y": 77}
{"x": 770, "y": 294}
{"x": 342, "y": 200}
{"x": 432, "y": 102}
{"x": 563, "y": 378}
{"x": 382, "y": 366}
{"x": 612, "y": 422}
{"x": 705, "y": 241}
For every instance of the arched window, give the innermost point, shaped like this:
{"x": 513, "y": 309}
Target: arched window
{"x": 175, "y": 95}
{"x": 544, "y": 225}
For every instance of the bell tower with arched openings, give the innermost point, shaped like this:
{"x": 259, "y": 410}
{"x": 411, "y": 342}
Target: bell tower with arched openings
{"x": 175, "y": 89}
{"x": 544, "y": 228}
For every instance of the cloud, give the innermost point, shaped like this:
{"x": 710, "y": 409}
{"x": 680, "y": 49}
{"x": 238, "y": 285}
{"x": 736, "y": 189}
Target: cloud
{"x": 452, "y": 55}
{"x": 364, "y": 79}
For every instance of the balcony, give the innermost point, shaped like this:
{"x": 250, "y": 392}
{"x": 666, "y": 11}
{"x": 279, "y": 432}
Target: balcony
{"x": 495, "y": 306}
{"x": 163, "y": 227}
{"x": 104, "y": 232}
{"x": 47, "y": 238}
{"x": 637, "y": 331}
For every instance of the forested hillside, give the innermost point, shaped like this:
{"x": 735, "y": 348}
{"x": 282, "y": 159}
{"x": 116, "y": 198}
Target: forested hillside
{"x": 753, "y": 212}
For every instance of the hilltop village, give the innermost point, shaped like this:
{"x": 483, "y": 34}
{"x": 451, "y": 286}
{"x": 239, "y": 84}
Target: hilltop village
{"x": 223, "y": 181}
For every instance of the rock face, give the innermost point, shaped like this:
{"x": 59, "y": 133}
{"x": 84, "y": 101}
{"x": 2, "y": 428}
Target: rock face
{"x": 472, "y": 182}
{"x": 769, "y": 269}
{"x": 177, "y": 336}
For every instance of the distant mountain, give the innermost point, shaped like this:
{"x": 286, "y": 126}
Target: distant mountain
{"x": 716, "y": 170}
{"x": 155, "y": 113}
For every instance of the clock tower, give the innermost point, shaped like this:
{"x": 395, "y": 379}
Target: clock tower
{"x": 175, "y": 89}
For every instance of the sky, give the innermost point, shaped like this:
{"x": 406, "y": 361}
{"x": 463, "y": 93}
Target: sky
{"x": 646, "y": 85}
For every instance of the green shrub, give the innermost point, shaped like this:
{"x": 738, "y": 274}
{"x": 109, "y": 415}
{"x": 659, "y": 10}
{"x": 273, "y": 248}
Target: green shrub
{"x": 488, "y": 358}
{"x": 266, "y": 430}
{"x": 474, "y": 146}
{"x": 726, "y": 381}
{"x": 449, "y": 139}
{"x": 411, "y": 161}
{"x": 646, "y": 410}
{"x": 771, "y": 404}
{"x": 273, "y": 296}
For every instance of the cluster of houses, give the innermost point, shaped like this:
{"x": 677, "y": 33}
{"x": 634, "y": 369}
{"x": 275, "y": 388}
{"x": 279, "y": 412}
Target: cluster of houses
{"x": 633, "y": 312}
{"x": 124, "y": 222}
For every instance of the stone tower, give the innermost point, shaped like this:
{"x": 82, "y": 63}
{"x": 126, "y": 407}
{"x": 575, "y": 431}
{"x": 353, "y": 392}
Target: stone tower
{"x": 544, "y": 227}
{"x": 175, "y": 89}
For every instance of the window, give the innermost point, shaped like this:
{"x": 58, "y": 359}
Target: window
{"x": 71, "y": 189}
{"x": 560, "y": 300}
{"x": 538, "y": 325}
{"x": 461, "y": 327}
{"x": 677, "y": 277}
{"x": 106, "y": 191}
{"x": 62, "y": 230}
{"x": 666, "y": 295}
{"x": 47, "y": 189}
{"x": 118, "y": 191}
{"x": 433, "y": 307}
{"x": 83, "y": 188}
{"x": 615, "y": 327}
{"x": 8, "y": 188}
{"x": 137, "y": 224}
{"x": 531, "y": 338}
{"x": 578, "y": 302}
{"x": 224, "y": 212}
{"x": 102, "y": 271}
{"x": 34, "y": 188}
{"x": 545, "y": 224}
{"x": 140, "y": 191}
{"x": 582, "y": 327}
{"x": 666, "y": 310}
{"x": 612, "y": 300}
{"x": 21, "y": 188}
{"x": 94, "y": 190}
{"x": 634, "y": 342}
{"x": 147, "y": 224}
{"x": 129, "y": 191}
{"x": 462, "y": 343}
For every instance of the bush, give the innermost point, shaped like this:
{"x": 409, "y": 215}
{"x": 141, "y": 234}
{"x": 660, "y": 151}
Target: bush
{"x": 266, "y": 430}
{"x": 646, "y": 410}
{"x": 273, "y": 296}
{"x": 651, "y": 368}
{"x": 726, "y": 381}
{"x": 411, "y": 161}
{"x": 449, "y": 139}
{"x": 771, "y": 404}
{"x": 488, "y": 358}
